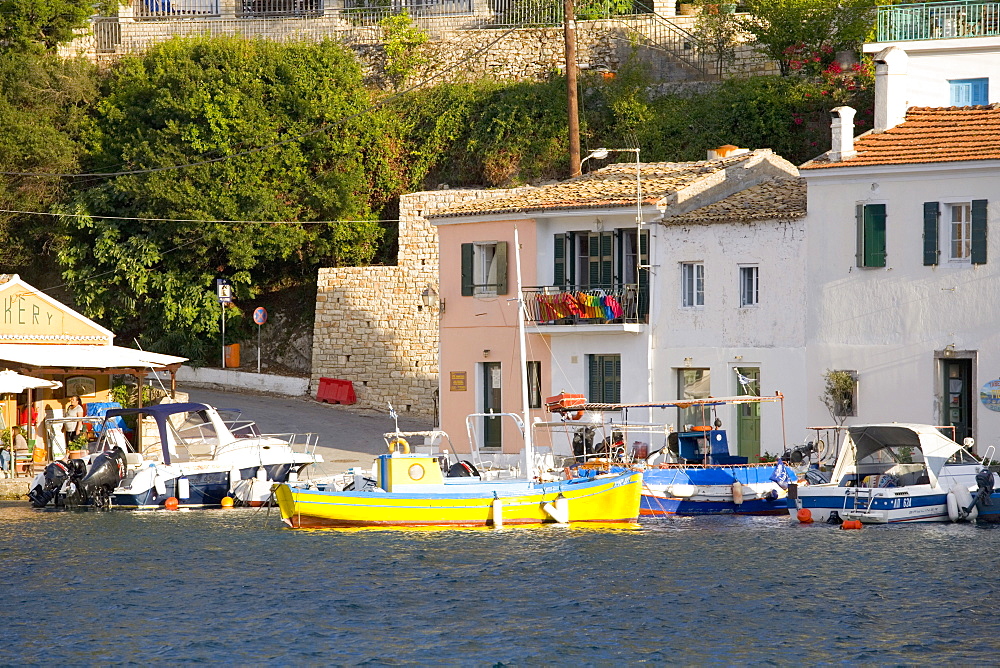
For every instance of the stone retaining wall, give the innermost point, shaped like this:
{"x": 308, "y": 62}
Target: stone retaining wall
{"x": 371, "y": 325}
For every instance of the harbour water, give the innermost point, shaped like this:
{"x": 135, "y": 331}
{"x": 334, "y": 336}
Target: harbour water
{"x": 235, "y": 587}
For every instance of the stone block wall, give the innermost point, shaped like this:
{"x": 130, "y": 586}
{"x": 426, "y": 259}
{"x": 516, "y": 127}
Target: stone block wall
{"x": 371, "y": 325}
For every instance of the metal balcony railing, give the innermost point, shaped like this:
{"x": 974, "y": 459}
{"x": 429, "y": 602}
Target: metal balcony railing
{"x": 162, "y": 9}
{"x": 938, "y": 20}
{"x": 573, "y": 305}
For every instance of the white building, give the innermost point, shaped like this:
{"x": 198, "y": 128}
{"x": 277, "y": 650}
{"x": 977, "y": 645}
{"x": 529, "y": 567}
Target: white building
{"x": 721, "y": 266}
{"x": 902, "y": 245}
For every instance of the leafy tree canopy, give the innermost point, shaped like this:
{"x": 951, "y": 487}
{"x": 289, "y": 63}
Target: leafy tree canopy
{"x": 30, "y": 24}
{"x": 786, "y": 30}
{"x": 44, "y": 102}
{"x": 189, "y": 101}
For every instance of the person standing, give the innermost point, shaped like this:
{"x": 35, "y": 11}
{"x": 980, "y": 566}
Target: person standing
{"x": 73, "y": 409}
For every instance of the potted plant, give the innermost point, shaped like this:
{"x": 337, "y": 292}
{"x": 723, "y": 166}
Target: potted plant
{"x": 77, "y": 448}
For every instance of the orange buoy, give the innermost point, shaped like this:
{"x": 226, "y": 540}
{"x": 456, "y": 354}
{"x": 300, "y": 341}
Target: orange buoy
{"x": 851, "y": 524}
{"x": 804, "y": 515}
{"x": 171, "y": 503}
{"x": 227, "y": 502}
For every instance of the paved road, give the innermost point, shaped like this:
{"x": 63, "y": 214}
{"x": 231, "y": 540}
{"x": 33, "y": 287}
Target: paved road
{"x": 346, "y": 437}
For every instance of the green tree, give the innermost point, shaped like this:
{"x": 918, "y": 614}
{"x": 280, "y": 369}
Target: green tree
{"x": 295, "y": 126}
{"x": 791, "y": 31}
{"x": 403, "y": 42}
{"x": 43, "y": 107}
{"x": 31, "y": 24}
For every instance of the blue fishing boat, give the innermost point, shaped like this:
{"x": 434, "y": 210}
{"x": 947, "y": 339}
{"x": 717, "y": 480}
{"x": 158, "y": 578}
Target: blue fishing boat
{"x": 692, "y": 473}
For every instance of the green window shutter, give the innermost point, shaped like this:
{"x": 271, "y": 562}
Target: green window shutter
{"x": 606, "y": 269}
{"x": 595, "y": 393}
{"x": 644, "y": 274}
{"x": 979, "y": 211}
{"x": 468, "y": 261}
{"x": 559, "y": 260}
{"x": 932, "y": 216}
{"x": 613, "y": 379}
{"x": 501, "y": 261}
{"x": 859, "y": 219}
{"x": 874, "y": 232}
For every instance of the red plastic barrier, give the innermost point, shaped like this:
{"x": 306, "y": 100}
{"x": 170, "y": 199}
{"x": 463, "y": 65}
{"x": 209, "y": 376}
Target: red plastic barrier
{"x": 334, "y": 391}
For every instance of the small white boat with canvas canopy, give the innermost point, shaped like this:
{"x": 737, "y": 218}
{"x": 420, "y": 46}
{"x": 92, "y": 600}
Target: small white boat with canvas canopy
{"x": 893, "y": 473}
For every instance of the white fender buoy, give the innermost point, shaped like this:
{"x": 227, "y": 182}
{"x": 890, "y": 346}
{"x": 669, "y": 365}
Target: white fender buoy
{"x": 681, "y": 490}
{"x": 558, "y": 510}
{"x": 261, "y": 473}
{"x": 963, "y": 499}
{"x": 159, "y": 485}
{"x": 497, "y": 514}
{"x": 183, "y": 488}
{"x": 738, "y": 493}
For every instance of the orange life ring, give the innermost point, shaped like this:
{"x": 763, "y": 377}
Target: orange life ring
{"x": 702, "y": 428}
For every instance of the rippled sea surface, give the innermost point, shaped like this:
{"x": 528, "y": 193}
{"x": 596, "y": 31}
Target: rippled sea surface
{"x": 235, "y": 587}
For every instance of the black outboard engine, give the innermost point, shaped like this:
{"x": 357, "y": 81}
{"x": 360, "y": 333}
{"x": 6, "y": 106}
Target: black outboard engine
{"x": 984, "y": 479}
{"x": 463, "y": 469}
{"x": 105, "y": 473}
{"x": 56, "y": 476}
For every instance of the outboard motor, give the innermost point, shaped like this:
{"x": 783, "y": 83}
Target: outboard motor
{"x": 105, "y": 473}
{"x": 985, "y": 481}
{"x": 463, "y": 469}
{"x": 54, "y": 476}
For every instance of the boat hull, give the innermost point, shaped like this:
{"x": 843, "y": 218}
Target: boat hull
{"x": 888, "y": 506}
{"x": 708, "y": 490}
{"x": 614, "y": 499}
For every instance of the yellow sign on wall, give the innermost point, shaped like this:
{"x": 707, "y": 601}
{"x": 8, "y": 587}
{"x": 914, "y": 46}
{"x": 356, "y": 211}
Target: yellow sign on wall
{"x": 459, "y": 381}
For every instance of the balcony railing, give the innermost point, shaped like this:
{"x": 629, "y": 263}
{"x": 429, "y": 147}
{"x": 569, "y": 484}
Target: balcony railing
{"x": 571, "y": 305}
{"x": 162, "y": 9}
{"x": 938, "y": 20}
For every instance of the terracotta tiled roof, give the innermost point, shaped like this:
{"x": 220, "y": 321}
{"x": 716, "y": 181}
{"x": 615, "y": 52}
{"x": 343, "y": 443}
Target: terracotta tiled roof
{"x": 929, "y": 134}
{"x": 608, "y": 187}
{"x": 775, "y": 199}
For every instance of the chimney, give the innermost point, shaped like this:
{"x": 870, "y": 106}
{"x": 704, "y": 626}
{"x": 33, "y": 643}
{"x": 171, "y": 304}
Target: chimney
{"x": 726, "y": 151}
{"x": 891, "y": 94}
{"x": 842, "y": 134}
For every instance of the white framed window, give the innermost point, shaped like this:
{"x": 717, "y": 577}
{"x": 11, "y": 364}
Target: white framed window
{"x": 959, "y": 231}
{"x": 749, "y": 286}
{"x": 692, "y": 284}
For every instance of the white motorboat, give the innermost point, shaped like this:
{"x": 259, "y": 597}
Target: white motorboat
{"x": 893, "y": 473}
{"x": 184, "y": 451}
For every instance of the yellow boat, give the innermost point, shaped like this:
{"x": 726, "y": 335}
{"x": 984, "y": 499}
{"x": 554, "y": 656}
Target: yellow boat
{"x": 411, "y": 491}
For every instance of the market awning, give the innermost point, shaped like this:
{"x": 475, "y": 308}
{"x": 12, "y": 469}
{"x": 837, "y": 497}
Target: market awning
{"x": 66, "y": 357}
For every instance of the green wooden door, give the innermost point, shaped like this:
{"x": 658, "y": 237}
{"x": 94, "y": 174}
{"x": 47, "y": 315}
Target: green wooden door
{"x": 492, "y": 432}
{"x": 748, "y": 415}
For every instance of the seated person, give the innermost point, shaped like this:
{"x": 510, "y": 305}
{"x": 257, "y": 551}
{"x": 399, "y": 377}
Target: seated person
{"x": 21, "y": 448}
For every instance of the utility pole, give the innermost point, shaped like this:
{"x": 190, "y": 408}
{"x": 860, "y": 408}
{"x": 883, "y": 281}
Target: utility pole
{"x": 569, "y": 34}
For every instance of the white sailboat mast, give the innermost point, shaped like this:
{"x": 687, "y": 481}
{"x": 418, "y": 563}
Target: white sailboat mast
{"x": 529, "y": 459}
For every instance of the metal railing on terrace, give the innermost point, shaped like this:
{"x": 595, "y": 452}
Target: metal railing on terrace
{"x": 576, "y": 305}
{"x": 938, "y": 20}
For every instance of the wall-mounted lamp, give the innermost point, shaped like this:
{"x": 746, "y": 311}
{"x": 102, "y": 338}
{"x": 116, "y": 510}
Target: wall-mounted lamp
{"x": 738, "y": 357}
{"x": 949, "y": 350}
{"x": 687, "y": 361}
{"x": 486, "y": 353}
{"x": 430, "y": 298}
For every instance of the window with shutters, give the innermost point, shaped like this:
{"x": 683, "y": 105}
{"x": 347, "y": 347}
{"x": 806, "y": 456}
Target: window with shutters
{"x": 749, "y": 286}
{"x": 956, "y": 229}
{"x": 484, "y": 268}
{"x": 605, "y": 380}
{"x": 598, "y": 260}
{"x": 871, "y": 248}
{"x": 966, "y": 92}
{"x": 692, "y": 284}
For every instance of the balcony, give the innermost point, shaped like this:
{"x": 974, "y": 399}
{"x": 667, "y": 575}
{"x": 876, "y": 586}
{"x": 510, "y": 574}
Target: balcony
{"x": 625, "y": 305}
{"x": 938, "y": 20}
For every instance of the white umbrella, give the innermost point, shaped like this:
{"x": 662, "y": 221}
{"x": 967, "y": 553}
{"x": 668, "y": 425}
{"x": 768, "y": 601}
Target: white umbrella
{"x": 12, "y": 382}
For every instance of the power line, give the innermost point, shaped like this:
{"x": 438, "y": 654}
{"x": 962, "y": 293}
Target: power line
{"x": 199, "y": 220}
{"x": 282, "y": 142}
